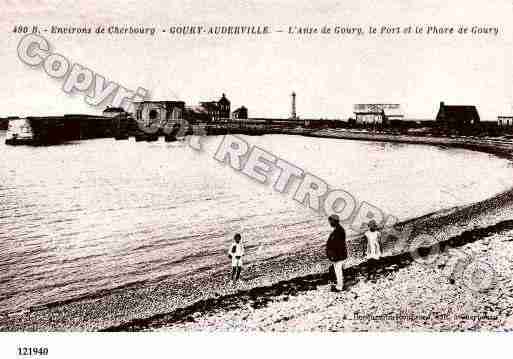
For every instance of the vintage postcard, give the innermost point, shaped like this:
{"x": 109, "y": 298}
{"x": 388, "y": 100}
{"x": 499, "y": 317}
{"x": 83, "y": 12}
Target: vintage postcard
{"x": 256, "y": 166}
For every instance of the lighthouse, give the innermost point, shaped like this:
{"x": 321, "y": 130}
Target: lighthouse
{"x": 293, "y": 109}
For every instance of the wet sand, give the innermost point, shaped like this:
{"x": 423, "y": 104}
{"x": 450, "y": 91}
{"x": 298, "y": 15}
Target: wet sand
{"x": 132, "y": 307}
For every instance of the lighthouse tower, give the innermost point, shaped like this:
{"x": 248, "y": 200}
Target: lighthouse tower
{"x": 293, "y": 115}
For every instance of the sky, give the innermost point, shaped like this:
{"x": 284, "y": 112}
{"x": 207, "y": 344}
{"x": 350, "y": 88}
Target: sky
{"x": 329, "y": 73}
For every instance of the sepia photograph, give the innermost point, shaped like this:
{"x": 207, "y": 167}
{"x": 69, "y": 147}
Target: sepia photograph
{"x": 250, "y": 167}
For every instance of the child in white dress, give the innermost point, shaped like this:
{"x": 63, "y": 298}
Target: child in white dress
{"x": 235, "y": 253}
{"x": 373, "y": 247}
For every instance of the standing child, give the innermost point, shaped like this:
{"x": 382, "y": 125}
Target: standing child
{"x": 373, "y": 249}
{"x": 372, "y": 235}
{"x": 236, "y": 252}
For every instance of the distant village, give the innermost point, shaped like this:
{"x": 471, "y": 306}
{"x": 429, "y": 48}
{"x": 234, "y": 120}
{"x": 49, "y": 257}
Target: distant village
{"x": 450, "y": 119}
{"x": 151, "y": 119}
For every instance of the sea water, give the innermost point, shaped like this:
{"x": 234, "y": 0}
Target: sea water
{"x": 95, "y": 215}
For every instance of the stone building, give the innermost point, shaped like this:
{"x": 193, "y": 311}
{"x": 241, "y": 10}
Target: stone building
{"x": 457, "y": 117}
{"x": 377, "y": 113}
{"x": 155, "y": 115}
{"x": 505, "y": 121}
{"x": 240, "y": 114}
{"x": 217, "y": 110}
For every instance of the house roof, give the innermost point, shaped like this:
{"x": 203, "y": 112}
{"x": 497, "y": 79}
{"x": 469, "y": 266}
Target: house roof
{"x": 459, "y": 110}
{"x": 198, "y": 109}
{"x": 159, "y": 102}
{"x": 393, "y": 112}
{"x": 388, "y": 109}
{"x": 370, "y": 112}
{"x": 114, "y": 109}
{"x": 224, "y": 99}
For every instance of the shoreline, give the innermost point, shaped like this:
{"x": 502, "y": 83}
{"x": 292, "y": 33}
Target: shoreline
{"x": 100, "y": 311}
{"x": 261, "y": 297}
{"x": 403, "y": 295}
{"x": 498, "y": 147}
{"x": 454, "y": 227}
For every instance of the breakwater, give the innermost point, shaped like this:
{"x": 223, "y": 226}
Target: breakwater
{"x": 50, "y": 130}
